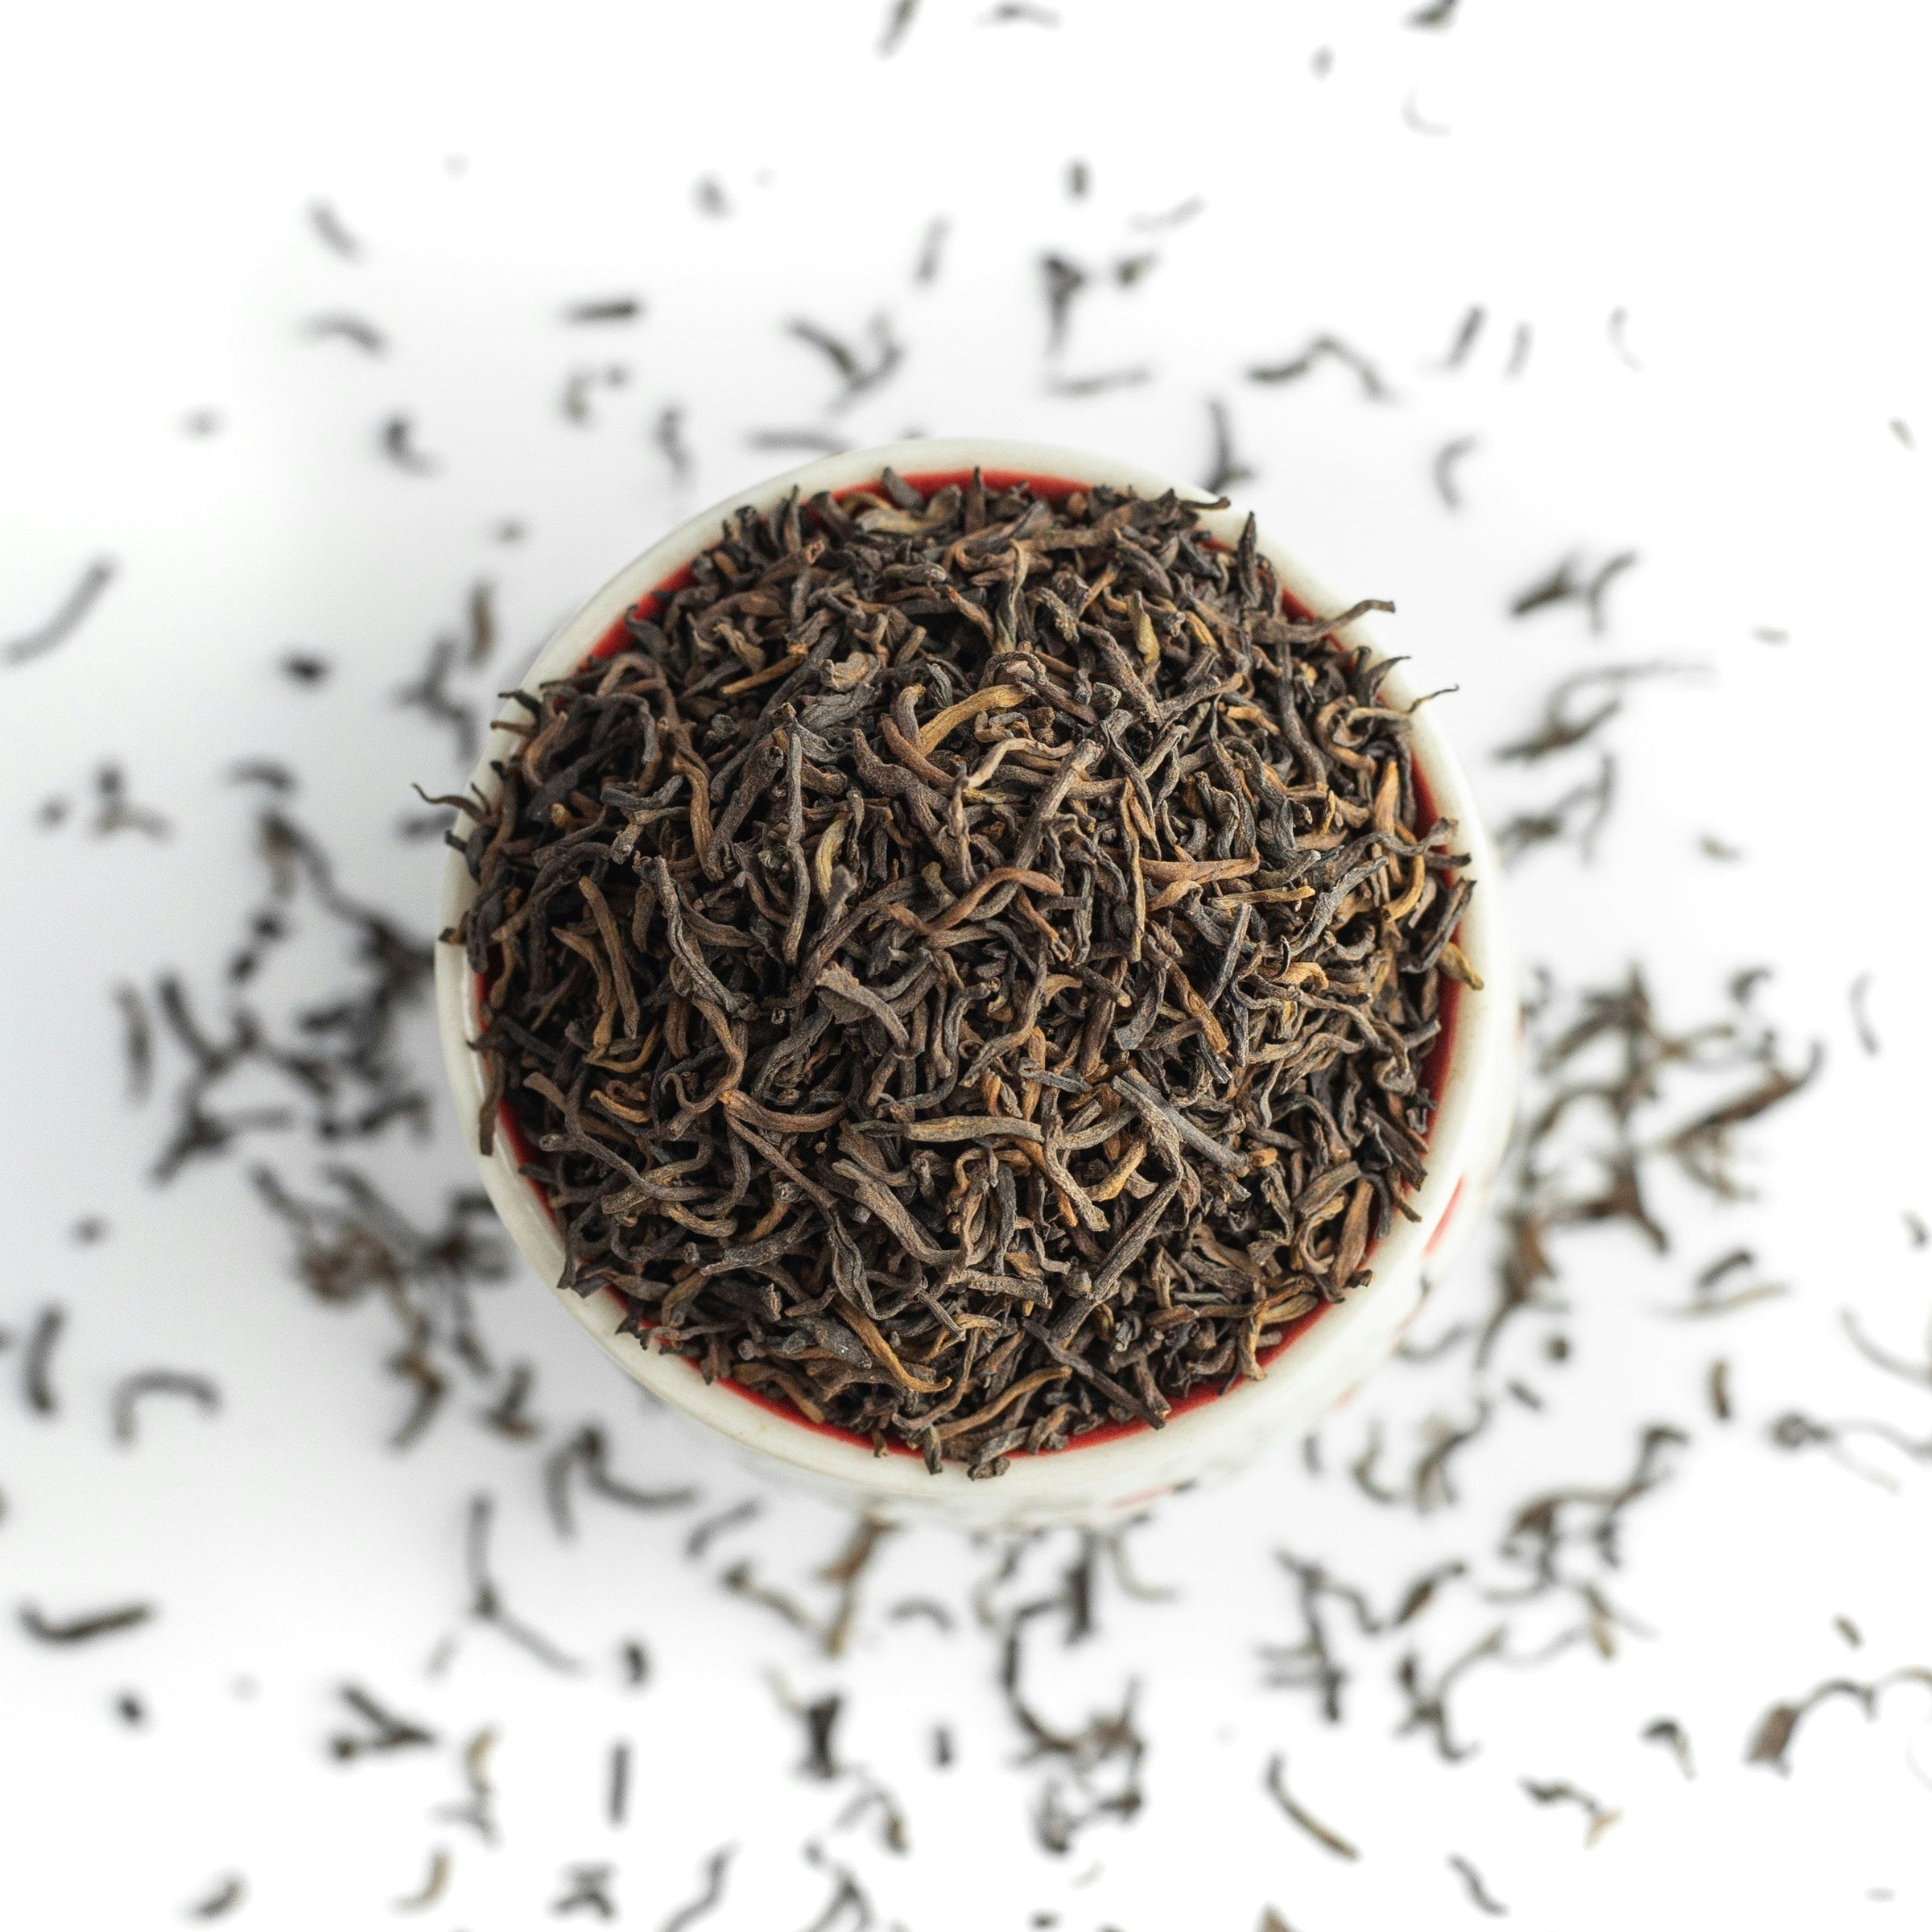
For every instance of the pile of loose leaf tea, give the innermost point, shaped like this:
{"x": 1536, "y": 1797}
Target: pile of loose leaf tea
{"x": 964, "y": 969}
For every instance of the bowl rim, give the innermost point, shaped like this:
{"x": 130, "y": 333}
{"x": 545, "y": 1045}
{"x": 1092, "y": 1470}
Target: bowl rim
{"x": 1117, "y": 1463}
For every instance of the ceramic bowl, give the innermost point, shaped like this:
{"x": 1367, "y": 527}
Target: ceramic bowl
{"x": 1124, "y": 1471}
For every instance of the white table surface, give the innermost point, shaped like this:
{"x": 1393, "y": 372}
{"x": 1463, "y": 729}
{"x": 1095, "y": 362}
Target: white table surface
{"x": 1744, "y": 183}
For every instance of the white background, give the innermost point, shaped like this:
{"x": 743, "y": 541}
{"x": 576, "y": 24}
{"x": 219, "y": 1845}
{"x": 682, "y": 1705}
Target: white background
{"x": 1745, "y": 183}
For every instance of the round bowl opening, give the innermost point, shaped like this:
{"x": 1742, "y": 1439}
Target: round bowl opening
{"x": 1461, "y": 1075}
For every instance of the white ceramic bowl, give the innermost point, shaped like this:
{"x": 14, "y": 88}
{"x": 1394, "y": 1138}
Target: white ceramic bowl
{"x": 1094, "y": 1481}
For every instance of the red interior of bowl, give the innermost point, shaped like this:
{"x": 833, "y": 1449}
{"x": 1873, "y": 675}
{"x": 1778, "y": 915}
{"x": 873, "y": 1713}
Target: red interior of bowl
{"x": 1435, "y": 1069}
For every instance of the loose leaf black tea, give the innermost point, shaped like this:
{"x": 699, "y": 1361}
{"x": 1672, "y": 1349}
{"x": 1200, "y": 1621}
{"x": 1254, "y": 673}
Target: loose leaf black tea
{"x": 435, "y": 1882}
{"x": 897, "y": 23}
{"x": 717, "y": 1867}
{"x": 130, "y": 1390}
{"x": 223, "y": 1900}
{"x": 84, "y": 1629}
{"x": 963, "y": 968}
{"x": 932, "y": 246}
{"x": 66, "y": 619}
{"x": 1479, "y": 1893}
{"x": 1277, "y": 1784}
{"x": 1467, "y": 330}
{"x": 1326, "y": 348}
{"x": 607, "y": 309}
{"x": 1598, "y": 1817}
{"x": 1443, "y": 470}
{"x": 856, "y": 375}
{"x": 668, "y": 434}
{"x": 345, "y": 327}
{"x": 1104, "y": 383}
{"x": 386, "y": 1731}
{"x": 329, "y": 225}
{"x": 37, "y": 1360}
{"x": 1226, "y": 469}
{"x": 398, "y": 443}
